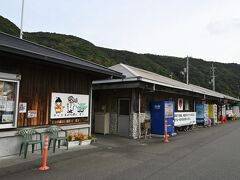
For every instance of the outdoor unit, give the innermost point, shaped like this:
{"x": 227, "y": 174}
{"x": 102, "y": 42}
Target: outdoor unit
{"x": 102, "y": 122}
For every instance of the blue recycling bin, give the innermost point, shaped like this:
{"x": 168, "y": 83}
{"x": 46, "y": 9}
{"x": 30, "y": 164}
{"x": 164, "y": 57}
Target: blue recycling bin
{"x": 161, "y": 110}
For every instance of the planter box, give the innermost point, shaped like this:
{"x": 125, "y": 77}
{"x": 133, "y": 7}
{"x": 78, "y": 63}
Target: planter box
{"x": 85, "y": 142}
{"x": 73, "y": 144}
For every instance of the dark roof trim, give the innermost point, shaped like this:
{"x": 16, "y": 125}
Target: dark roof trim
{"x": 18, "y": 46}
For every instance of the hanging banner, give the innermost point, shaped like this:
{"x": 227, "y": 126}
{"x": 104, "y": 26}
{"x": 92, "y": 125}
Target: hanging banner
{"x": 184, "y": 118}
{"x": 65, "y": 105}
{"x": 180, "y": 104}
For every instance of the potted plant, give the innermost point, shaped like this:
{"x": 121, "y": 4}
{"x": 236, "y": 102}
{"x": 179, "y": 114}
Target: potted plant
{"x": 73, "y": 140}
{"x": 84, "y": 139}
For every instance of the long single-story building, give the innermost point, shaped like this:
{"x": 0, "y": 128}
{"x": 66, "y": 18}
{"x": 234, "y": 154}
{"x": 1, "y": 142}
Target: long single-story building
{"x": 40, "y": 86}
{"x": 125, "y": 103}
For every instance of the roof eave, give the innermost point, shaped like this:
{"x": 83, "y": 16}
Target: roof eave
{"x": 59, "y": 61}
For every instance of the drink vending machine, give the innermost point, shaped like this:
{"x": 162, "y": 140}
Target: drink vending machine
{"x": 202, "y": 114}
{"x": 212, "y": 113}
{"x": 162, "y": 113}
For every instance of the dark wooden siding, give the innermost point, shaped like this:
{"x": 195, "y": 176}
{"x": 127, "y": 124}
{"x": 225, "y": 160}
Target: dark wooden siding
{"x": 37, "y": 83}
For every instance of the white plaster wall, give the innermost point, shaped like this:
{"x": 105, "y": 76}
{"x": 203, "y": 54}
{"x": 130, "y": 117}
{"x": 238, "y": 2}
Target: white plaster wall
{"x": 10, "y": 145}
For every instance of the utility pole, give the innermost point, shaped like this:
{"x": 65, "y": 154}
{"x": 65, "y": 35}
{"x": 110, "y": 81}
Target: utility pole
{"x": 187, "y": 69}
{"x": 21, "y": 28}
{"x": 213, "y": 69}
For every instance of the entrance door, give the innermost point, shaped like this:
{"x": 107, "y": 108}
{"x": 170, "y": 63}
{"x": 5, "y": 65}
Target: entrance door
{"x": 123, "y": 117}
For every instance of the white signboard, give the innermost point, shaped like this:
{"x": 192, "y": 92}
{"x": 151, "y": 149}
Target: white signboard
{"x": 236, "y": 111}
{"x": 229, "y": 112}
{"x": 184, "y": 118}
{"x": 69, "y": 105}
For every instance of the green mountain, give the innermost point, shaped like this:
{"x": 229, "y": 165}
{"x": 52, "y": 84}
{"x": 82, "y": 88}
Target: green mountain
{"x": 228, "y": 75}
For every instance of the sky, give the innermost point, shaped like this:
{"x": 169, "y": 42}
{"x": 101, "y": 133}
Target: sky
{"x": 206, "y": 29}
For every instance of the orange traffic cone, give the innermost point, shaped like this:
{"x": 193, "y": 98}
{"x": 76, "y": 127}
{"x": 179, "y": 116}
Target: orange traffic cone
{"x": 45, "y": 154}
{"x": 165, "y": 132}
{"x": 166, "y": 138}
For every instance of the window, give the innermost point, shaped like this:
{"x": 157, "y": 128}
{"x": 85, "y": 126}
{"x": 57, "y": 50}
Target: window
{"x": 124, "y": 107}
{"x": 8, "y": 102}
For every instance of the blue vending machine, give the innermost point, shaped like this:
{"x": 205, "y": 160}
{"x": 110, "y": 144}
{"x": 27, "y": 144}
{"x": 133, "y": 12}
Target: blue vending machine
{"x": 161, "y": 110}
{"x": 202, "y": 114}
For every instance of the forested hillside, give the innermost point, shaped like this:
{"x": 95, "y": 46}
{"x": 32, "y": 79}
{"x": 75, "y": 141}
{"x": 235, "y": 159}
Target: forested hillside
{"x": 228, "y": 75}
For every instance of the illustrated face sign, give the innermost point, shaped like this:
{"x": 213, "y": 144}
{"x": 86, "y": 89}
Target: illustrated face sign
{"x": 65, "y": 105}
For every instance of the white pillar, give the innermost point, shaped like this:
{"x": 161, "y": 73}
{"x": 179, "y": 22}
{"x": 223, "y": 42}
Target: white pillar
{"x": 90, "y": 109}
{"x": 21, "y": 28}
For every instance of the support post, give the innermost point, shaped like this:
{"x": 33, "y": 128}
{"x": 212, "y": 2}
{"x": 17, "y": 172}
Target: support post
{"x": 90, "y": 111}
{"x": 139, "y": 109}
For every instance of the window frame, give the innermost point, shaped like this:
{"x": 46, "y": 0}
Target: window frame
{"x": 14, "y": 78}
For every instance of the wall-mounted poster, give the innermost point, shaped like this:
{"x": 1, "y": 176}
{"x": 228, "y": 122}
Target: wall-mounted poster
{"x": 180, "y": 104}
{"x": 22, "y": 107}
{"x": 32, "y": 113}
{"x": 3, "y": 103}
{"x": 7, "y": 118}
{"x": 65, "y": 105}
{"x": 10, "y": 105}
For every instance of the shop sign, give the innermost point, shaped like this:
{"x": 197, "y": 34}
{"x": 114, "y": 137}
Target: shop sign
{"x": 65, "y": 105}
{"x": 180, "y": 104}
{"x": 184, "y": 118}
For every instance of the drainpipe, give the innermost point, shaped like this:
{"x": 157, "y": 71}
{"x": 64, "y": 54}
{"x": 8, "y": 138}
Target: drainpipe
{"x": 139, "y": 109}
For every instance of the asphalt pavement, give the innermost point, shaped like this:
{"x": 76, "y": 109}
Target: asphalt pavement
{"x": 201, "y": 154}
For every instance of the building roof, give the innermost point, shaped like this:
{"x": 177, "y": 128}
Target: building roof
{"x": 136, "y": 74}
{"x": 12, "y": 44}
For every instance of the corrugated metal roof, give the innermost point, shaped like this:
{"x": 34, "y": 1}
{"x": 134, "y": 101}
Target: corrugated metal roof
{"x": 19, "y": 46}
{"x": 147, "y": 76}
